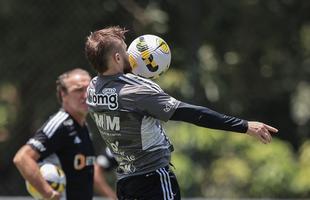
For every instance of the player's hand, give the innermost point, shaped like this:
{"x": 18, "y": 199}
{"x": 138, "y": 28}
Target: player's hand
{"x": 54, "y": 196}
{"x": 261, "y": 131}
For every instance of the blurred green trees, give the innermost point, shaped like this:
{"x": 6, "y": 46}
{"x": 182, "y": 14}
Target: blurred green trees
{"x": 230, "y": 165}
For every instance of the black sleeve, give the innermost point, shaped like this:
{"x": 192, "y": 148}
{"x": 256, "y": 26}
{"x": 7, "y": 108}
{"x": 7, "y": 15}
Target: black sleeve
{"x": 45, "y": 145}
{"x": 205, "y": 117}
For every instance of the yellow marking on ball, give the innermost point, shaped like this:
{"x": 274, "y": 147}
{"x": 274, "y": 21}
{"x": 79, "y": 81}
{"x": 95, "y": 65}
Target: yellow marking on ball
{"x": 132, "y": 61}
{"x": 163, "y": 46}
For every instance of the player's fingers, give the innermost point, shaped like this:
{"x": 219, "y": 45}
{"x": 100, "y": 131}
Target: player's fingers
{"x": 264, "y": 135}
{"x": 267, "y": 135}
{"x": 271, "y": 129}
{"x": 263, "y": 139}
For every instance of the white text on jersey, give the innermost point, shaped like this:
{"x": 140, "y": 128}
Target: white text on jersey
{"x": 107, "y": 122}
{"x": 108, "y": 97}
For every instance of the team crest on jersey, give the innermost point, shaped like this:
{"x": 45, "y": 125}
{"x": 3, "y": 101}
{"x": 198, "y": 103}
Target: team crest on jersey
{"x": 68, "y": 122}
{"x": 108, "y": 97}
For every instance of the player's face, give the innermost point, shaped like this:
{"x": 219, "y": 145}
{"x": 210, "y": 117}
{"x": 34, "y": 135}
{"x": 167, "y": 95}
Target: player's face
{"x": 75, "y": 98}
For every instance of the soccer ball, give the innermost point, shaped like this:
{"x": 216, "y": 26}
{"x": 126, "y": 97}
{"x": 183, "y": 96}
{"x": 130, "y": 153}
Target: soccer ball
{"x": 149, "y": 56}
{"x": 53, "y": 175}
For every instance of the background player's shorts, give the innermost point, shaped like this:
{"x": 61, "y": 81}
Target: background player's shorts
{"x": 158, "y": 185}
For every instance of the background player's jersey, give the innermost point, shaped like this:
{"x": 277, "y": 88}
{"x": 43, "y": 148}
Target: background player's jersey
{"x": 62, "y": 136}
{"x": 128, "y": 111}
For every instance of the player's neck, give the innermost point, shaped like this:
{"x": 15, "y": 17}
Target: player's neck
{"x": 79, "y": 118}
{"x": 112, "y": 70}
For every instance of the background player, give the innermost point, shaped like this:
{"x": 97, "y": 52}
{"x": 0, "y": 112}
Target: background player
{"x": 129, "y": 111}
{"x": 65, "y": 137}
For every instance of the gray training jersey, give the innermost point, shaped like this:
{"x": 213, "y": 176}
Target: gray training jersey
{"x": 129, "y": 111}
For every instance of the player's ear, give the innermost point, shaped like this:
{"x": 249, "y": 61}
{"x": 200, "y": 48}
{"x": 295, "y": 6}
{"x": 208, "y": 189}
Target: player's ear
{"x": 62, "y": 94}
{"x": 117, "y": 57}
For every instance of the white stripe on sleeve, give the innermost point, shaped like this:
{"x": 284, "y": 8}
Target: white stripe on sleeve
{"x": 54, "y": 123}
{"x": 49, "y": 125}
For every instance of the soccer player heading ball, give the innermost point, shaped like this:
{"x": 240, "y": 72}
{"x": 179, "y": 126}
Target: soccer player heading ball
{"x": 129, "y": 111}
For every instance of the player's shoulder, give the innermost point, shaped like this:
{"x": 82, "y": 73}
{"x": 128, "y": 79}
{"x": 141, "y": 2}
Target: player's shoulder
{"x": 58, "y": 121}
{"x": 140, "y": 82}
{"x": 138, "y": 79}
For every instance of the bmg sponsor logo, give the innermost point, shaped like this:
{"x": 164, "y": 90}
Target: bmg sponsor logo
{"x": 108, "y": 97}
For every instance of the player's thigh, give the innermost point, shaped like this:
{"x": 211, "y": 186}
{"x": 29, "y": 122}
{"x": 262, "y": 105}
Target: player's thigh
{"x": 158, "y": 185}
{"x": 167, "y": 187}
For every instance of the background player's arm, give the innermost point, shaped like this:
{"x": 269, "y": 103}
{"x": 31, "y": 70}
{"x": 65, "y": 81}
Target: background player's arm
{"x": 208, "y": 118}
{"x": 101, "y": 186}
{"x": 26, "y": 162}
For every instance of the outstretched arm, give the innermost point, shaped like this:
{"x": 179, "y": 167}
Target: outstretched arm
{"x": 26, "y": 162}
{"x": 205, "y": 117}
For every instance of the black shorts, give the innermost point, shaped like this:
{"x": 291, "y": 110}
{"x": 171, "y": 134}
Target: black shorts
{"x": 158, "y": 185}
